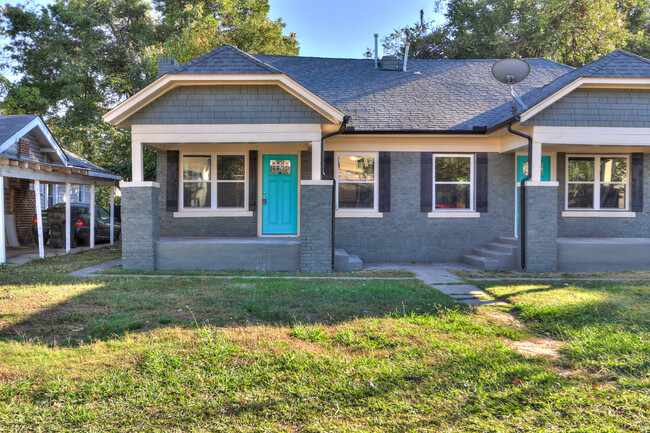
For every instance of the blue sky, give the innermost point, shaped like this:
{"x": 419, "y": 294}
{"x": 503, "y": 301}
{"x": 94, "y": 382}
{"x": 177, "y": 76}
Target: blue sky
{"x": 345, "y": 28}
{"x": 340, "y": 28}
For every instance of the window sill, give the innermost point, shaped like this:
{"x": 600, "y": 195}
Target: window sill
{"x": 454, "y": 214}
{"x": 597, "y": 214}
{"x": 358, "y": 214}
{"x": 212, "y": 213}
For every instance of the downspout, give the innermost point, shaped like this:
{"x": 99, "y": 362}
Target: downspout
{"x": 522, "y": 195}
{"x": 325, "y": 176}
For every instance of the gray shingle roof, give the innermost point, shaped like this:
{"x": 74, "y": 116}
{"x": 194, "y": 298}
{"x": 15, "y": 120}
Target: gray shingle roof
{"x": 11, "y": 124}
{"x": 225, "y": 60}
{"x": 444, "y": 94}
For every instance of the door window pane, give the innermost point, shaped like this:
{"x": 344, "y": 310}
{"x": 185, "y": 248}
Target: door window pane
{"x": 612, "y": 196}
{"x": 581, "y": 196}
{"x": 613, "y": 170}
{"x": 450, "y": 196}
{"x": 230, "y": 167}
{"x": 230, "y": 194}
{"x": 581, "y": 169}
{"x": 356, "y": 195}
{"x": 360, "y": 168}
{"x": 196, "y": 168}
{"x": 196, "y": 194}
{"x": 280, "y": 166}
{"x": 453, "y": 169}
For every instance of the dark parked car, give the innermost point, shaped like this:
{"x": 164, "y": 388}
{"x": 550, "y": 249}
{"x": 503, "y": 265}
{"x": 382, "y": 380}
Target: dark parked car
{"x": 80, "y": 219}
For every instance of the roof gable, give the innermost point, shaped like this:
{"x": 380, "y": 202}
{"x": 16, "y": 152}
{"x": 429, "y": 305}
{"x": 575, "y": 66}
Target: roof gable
{"x": 14, "y": 127}
{"x": 225, "y": 60}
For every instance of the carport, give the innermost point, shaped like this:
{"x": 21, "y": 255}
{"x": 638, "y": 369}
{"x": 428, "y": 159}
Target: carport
{"x": 29, "y": 155}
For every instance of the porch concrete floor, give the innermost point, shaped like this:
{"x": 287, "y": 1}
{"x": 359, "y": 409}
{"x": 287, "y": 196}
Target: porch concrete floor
{"x": 22, "y": 255}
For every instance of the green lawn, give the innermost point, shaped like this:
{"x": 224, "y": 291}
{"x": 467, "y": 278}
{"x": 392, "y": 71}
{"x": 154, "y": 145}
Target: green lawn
{"x": 278, "y": 355}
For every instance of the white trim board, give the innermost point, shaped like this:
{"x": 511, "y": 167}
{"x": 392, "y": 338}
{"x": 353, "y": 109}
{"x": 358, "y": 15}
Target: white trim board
{"x": 231, "y": 133}
{"x": 169, "y": 81}
{"x": 592, "y": 136}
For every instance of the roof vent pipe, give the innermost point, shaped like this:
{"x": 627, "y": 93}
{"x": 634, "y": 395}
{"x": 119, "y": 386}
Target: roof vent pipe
{"x": 406, "y": 56}
{"x": 376, "y": 50}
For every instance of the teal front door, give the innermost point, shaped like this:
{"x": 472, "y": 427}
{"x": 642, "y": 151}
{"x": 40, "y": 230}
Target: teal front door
{"x": 280, "y": 195}
{"x": 522, "y": 171}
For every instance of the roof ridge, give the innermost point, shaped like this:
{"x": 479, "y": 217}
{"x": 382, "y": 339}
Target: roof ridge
{"x": 253, "y": 59}
{"x": 613, "y": 55}
{"x": 634, "y": 56}
{"x": 220, "y": 50}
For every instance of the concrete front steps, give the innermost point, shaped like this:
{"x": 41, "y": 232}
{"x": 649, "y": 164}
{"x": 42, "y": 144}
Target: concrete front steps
{"x": 346, "y": 262}
{"x": 500, "y": 255}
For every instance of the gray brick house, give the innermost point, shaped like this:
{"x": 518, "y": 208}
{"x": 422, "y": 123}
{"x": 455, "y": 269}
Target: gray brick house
{"x": 301, "y": 163}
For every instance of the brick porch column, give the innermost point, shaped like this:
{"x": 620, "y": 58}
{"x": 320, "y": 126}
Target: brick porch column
{"x": 139, "y": 224}
{"x": 316, "y": 226}
{"x": 541, "y": 226}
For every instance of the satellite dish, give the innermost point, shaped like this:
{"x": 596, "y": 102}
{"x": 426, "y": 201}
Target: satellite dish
{"x": 510, "y": 71}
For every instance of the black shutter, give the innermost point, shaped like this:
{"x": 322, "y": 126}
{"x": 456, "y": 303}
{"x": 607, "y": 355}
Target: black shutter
{"x": 384, "y": 181}
{"x": 481, "y": 182}
{"x": 426, "y": 181}
{"x": 172, "y": 181}
{"x": 328, "y": 164}
{"x": 252, "y": 180}
{"x": 637, "y": 182}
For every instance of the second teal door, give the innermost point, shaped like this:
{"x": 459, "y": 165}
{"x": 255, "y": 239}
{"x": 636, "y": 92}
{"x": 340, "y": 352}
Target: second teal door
{"x": 280, "y": 194}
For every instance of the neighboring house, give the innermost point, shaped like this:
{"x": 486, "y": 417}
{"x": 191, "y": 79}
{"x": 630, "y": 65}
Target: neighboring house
{"x": 419, "y": 166}
{"x": 31, "y": 160}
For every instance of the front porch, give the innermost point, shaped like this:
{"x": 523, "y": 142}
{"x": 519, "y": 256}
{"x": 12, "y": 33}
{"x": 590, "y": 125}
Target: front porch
{"x": 228, "y": 254}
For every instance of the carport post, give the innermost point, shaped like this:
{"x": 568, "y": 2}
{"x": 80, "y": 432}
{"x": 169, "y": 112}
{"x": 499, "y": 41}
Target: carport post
{"x": 67, "y": 217}
{"x": 39, "y": 218}
{"x": 92, "y": 216}
{"x": 3, "y": 246}
{"x": 112, "y": 209}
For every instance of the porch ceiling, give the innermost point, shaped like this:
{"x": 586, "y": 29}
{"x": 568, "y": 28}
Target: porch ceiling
{"x": 52, "y": 173}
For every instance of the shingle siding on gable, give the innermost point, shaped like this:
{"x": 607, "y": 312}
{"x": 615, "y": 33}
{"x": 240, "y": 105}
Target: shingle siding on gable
{"x": 598, "y": 107}
{"x": 226, "y": 104}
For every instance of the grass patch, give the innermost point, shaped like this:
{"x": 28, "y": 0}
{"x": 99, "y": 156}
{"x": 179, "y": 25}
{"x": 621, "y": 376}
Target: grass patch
{"x": 371, "y": 273}
{"x": 282, "y": 355}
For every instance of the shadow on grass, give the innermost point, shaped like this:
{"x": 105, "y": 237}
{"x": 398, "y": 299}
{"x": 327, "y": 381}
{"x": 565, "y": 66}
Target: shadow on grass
{"x": 111, "y": 307}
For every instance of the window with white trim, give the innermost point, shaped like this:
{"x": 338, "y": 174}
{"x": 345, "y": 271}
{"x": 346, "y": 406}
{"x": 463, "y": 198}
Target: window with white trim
{"x": 356, "y": 181}
{"x": 453, "y": 182}
{"x": 596, "y": 182}
{"x": 213, "y": 181}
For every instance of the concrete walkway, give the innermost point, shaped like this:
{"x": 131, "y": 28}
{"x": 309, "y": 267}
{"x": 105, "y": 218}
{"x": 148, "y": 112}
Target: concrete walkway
{"x": 433, "y": 274}
{"x": 438, "y": 276}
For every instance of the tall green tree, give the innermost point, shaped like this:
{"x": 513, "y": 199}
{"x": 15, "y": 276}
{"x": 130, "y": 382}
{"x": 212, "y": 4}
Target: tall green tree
{"x": 569, "y": 31}
{"x": 79, "y": 58}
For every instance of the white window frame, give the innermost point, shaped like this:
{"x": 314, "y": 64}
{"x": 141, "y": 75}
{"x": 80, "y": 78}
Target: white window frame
{"x": 596, "y": 183}
{"x": 471, "y": 183}
{"x": 207, "y": 211}
{"x": 375, "y": 182}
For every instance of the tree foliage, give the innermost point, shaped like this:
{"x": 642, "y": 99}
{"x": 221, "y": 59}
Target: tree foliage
{"x": 573, "y": 32}
{"x": 78, "y": 58}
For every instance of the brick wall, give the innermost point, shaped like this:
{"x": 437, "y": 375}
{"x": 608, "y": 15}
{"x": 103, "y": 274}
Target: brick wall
{"x": 226, "y": 104}
{"x": 198, "y": 227}
{"x": 23, "y": 207}
{"x": 541, "y": 228}
{"x": 405, "y": 234}
{"x": 316, "y": 228}
{"x": 140, "y": 227}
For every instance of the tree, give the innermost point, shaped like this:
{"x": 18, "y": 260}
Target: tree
{"x": 569, "y": 31}
{"x": 79, "y": 58}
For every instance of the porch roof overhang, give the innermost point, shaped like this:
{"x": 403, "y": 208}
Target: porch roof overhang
{"x": 22, "y": 168}
{"x": 153, "y": 135}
